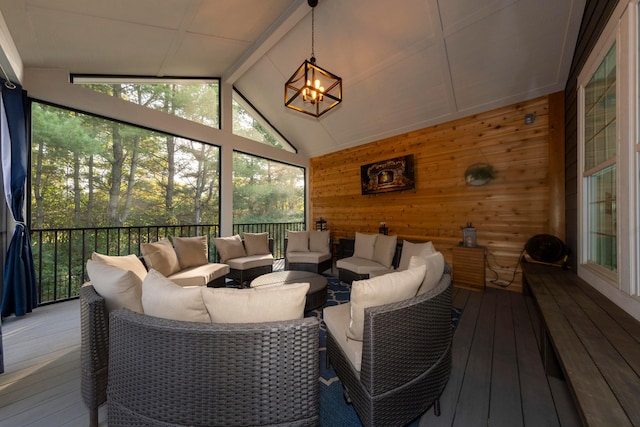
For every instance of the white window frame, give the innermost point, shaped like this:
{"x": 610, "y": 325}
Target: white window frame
{"x": 622, "y": 29}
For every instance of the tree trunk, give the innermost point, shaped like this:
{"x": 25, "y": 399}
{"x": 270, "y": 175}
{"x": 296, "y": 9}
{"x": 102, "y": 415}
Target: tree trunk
{"x": 37, "y": 186}
{"x": 131, "y": 182}
{"x": 116, "y": 171}
{"x": 76, "y": 190}
{"x": 91, "y": 195}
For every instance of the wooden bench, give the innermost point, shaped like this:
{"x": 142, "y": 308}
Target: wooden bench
{"x": 593, "y": 343}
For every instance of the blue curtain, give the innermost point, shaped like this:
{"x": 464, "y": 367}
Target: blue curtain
{"x": 19, "y": 294}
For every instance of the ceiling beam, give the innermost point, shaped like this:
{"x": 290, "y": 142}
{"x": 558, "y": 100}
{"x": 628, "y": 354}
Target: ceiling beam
{"x": 281, "y": 26}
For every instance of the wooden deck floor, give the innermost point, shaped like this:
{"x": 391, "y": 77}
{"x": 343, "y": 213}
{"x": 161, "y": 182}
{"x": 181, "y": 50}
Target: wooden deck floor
{"x": 496, "y": 379}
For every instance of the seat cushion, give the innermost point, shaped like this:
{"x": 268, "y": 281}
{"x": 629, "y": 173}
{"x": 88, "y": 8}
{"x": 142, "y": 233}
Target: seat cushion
{"x": 381, "y": 290}
{"x": 410, "y": 249}
{"x": 297, "y": 241}
{"x": 119, "y": 288}
{"x": 359, "y": 265}
{"x": 256, "y": 243}
{"x": 163, "y": 298}
{"x": 308, "y": 257}
{"x": 262, "y": 304}
{"x": 127, "y": 262}
{"x": 337, "y": 318}
{"x": 252, "y": 261}
{"x": 364, "y": 245}
{"x": 191, "y": 251}
{"x": 385, "y": 249}
{"x": 229, "y": 247}
{"x": 200, "y": 275}
{"x": 161, "y": 257}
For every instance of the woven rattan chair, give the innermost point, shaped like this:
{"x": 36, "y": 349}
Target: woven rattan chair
{"x": 166, "y": 372}
{"x": 406, "y": 358}
{"x": 94, "y": 350}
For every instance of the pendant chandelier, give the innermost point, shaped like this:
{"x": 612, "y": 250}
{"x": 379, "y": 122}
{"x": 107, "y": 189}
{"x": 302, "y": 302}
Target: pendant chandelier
{"x": 312, "y": 90}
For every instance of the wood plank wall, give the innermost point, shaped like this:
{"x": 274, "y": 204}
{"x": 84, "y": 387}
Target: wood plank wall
{"x": 506, "y": 212}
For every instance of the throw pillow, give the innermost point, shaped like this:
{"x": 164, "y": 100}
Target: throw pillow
{"x": 256, "y": 243}
{"x": 434, "y": 264}
{"x": 161, "y": 257}
{"x": 297, "y": 241}
{"x": 385, "y": 249}
{"x": 229, "y": 247}
{"x": 191, "y": 251}
{"x": 163, "y": 298}
{"x": 364, "y": 245}
{"x": 319, "y": 241}
{"x": 413, "y": 249}
{"x": 262, "y": 304}
{"x": 119, "y": 288}
{"x": 127, "y": 262}
{"x": 381, "y": 290}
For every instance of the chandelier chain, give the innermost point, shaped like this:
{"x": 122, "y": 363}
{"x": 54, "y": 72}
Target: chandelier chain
{"x": 313, "y": 32}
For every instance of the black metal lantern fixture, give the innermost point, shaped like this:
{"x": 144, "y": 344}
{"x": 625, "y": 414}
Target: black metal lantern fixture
{"x": 321, "y": 224}
{"x": 312, "y": 90}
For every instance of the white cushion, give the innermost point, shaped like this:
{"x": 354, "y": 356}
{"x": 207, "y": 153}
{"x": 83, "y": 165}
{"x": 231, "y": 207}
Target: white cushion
{"x": 410, "y": 249}
{"x": 364, "y": 245}
{"x": 252, "y": 261}
{"x": 308, "y": 257}
{"x": 119, "y": 288}
{"x": 253, "y": 305}
{"x": 385, "y": 249}
{"x": 191, "y": 251}
{"x": 381, "y": 290}
{"x": 163, "y": 298}
{"x": 200, "y": 275}
{"x": 360, "y": 265}
{"x": 160, "y": 256}
{"x": 256, "y": 243}
{"x": 337, "y": 318}
{"x": 297, "y": 241}
{"x": 229, "y": 247}
{"x": 319, "y": 241}
{"x": 435, "y": 268}
{"x": 127, "y": 262}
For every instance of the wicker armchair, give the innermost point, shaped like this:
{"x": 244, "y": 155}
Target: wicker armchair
{"x": 166, "y": 372}
{"x": 406, "y": 358}
{"x": 306, "y": 262}
{"x": 94, "y": 350}
{"x": 245, "y": 269}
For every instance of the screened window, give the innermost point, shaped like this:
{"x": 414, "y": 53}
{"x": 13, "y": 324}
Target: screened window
{"x": 249, "y": 123}
{"x": 197, "y": 100}
{"x": 600, "y": 163}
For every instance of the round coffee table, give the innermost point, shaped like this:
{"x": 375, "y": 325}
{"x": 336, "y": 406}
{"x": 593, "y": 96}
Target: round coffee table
{"x": 317, "y": 295}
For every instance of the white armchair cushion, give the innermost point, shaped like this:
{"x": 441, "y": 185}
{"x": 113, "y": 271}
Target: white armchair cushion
{"x": 163, "y": 298}
{"x": 229, "y": 247}
{"x": 337, "y": 318}
{"x": 381, "y": 290}
{"x": 161, "y": 256}
{"x": 360, "y": 265}
{"x": 261, "y": 304}
{"x": 256, "y": 243}
{"x": 200, "y": 275}
{"x": 410, "y": 249}
{"x": 127, "y": 262}
{"x": 191, "y": 251}
{"x": 247, "y": 262}
{"x": 434, "y": 264}
{"x": 385, "y": 249}
{"x": 297, "y": 241}
{"x": 119, "y": 288}
{"x": 308, "y": 257}
{"x": 319, "y": 241}
{"x": 364, "y": 245}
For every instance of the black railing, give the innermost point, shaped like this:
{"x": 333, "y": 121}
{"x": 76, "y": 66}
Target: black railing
{"x": 60, "y": 255}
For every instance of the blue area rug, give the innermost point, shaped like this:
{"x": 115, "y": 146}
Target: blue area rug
{"x": 334, "y": 410}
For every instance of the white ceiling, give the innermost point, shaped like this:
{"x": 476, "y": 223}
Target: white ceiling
{"x": 405, "y": 64}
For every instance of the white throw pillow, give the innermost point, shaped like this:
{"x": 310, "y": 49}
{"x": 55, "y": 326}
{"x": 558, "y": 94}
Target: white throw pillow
{"x": 256, "y": 243}
{"x": 381, "y": 290}
{"x": 410, "y": 249}
{"x": 191, "y": 251}
{"x": 364, "y": 245}
{"x": 385, "y": 249}
{"x": 262, "y": 304}
{"x": 434, "y": 264}
{"x": 119, "y": 288}
{"x": 163, "y": 298}
{"x": 297, "y": 241}
{"x": 319, "y": 241}
{"x": 161, "y": 257}
{"x": 127, "y": 262}
{"x": 229, "y": 247}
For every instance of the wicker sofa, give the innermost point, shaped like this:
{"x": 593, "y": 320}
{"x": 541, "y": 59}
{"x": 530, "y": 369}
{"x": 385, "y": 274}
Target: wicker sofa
{"x": 168, "y": 372}
{"x": 406, "y": 356}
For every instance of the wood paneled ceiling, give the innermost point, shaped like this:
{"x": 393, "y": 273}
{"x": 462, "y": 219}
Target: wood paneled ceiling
{"x": 405, "y": 64}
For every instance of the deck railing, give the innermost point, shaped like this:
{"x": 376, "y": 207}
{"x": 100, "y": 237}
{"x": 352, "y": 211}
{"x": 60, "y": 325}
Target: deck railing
{"x": 60, "y": 255}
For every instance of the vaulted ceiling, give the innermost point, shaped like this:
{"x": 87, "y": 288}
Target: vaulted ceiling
{"x": 405, "y": 64}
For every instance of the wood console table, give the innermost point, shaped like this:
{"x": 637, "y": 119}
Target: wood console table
{"x": 469, "y": 267}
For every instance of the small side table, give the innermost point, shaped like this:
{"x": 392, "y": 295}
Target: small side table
{"x": 469, "y": 267}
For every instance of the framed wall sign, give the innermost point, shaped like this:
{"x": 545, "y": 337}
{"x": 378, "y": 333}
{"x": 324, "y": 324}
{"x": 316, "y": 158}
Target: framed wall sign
{"x": 388, "y": 175}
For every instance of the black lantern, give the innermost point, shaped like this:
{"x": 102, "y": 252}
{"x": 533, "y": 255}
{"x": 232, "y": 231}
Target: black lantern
{"x": 321, "y": 224}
